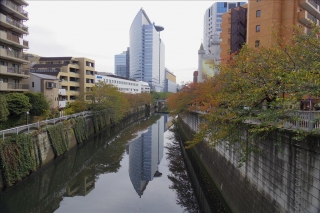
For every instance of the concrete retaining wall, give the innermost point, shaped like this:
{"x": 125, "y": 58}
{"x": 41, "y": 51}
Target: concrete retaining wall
{"x": 284, "y": 178}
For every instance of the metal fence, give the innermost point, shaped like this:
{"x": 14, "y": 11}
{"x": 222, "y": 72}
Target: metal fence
{"x": 40, "y": 124}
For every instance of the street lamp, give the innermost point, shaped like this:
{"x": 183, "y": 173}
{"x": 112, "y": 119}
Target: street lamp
{"x": 27, "y": 113}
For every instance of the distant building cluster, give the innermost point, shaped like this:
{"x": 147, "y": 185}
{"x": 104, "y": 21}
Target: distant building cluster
{"x": 138, "y": 69}
{"x": 229, "y": 25}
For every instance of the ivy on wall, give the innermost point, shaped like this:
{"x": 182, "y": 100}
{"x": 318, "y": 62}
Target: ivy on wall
{"x": 99, "y": 121}
{"x": 80, "y": 129}
{"x": 17, "y": 158}
{"x": 59, "y": 139}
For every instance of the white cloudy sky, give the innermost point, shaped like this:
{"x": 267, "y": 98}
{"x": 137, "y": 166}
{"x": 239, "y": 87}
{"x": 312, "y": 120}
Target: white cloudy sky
{"x": 100, "y": 29}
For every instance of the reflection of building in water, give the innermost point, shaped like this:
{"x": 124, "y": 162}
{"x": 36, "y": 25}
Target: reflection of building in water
{"x": 82, "y": 185}
{"x": 145, "y": 154}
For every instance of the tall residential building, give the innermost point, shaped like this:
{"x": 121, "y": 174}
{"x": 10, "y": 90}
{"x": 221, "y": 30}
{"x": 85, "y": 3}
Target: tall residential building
{"x": 12, "y": 29}
{"x": 256, "y": 24}
{"x": 147, "y": 52}
{"x": 212, "y": 29}
{"x": 170, "y": 82}
{"x": 263, "y": 16}
{"x": 122, "y": 64}
{"x": 77, "y": 75}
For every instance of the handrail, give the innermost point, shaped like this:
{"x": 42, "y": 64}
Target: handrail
{"x": 37, "y": 125}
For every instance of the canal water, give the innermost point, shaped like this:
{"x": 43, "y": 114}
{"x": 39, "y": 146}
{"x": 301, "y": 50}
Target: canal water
{"x": 140, "y": 169}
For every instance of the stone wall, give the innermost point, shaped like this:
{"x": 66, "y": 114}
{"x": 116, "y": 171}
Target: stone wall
{"x": 284, "y": 178}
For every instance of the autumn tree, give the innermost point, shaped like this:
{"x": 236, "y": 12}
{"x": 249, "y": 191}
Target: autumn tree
{"x": 262, "y": 86}
{"x": 106, "y": 99}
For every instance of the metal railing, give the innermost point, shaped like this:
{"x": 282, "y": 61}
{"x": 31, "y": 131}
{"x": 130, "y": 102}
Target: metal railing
{"x": 313, "y": 3}
{"x": 17, "y": 70}
{"x": 40, "y": 124}
{"x": 15, "y": 54}
{"x": 16, "y": 7}
{"x": 17, "y": 86}
{"x": 16, "y": 24}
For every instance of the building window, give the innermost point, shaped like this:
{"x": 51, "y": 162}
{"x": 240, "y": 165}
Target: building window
{"x": 258, "y": 0}
{"x": 258, "y": 13}
{"x": 257, "y": 43}
{"x": 32, "y": 84}
{"x": 258, "y": 28}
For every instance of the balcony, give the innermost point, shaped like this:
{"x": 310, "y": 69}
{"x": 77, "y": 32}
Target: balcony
{"x": 62, "y": 92}
{"x": 13, "y": 40}
{"x": 311, "y": 6}
{"x": 62, "y": 104}
{"x": 12, "y": 71}
{"x": 12, "y": 24}
{"x": 12, "y": 55}
{"x": 14, "y": 9}
{"x": 307, "y": 19}
{"x": 4, "y": 86}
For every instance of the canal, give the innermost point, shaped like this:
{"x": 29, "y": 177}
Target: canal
{"x": 135, "y": 168}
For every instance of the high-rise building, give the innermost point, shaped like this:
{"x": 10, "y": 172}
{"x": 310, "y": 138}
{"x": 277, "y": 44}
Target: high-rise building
{"x": 170, "y": 82}
{"x": 122, "y": 64}
{"x": 147, "y": 52}
{"x": 212, "y": 28}
{"x": 12, "y": 29}
{"x": 257, "y": 23}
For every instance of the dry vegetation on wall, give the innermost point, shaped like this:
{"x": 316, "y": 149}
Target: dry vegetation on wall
{"x": 274, "y": 78}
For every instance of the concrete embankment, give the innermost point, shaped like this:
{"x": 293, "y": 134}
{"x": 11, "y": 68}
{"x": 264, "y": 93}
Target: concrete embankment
{"x": 283, "y": 178}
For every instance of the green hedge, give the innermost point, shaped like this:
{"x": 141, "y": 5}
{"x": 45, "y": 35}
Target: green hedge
{"x": 59, "y": 139}
{"x": 80, "y": 129}
{"x": 17, "y": 158}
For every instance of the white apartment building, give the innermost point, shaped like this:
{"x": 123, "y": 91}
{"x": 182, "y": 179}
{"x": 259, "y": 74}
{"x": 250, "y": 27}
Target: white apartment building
{"x": 12, "y": 30}
{"x": 124, "y": 84}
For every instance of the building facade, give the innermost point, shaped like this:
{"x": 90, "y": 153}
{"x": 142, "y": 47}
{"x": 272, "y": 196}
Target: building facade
{"x": 12, "y": 30}
{"x": 50, "y": 87}
{"x": 122, "y": 64}
{"x": 234, "y": 31}
{"x": 212, "y": 28}
{"x": 76, "y": 74}
{"x": 147, "y": 52}
{"x": 257, "y": 23}
{"x": 123, "y": 84}
{"x": 170, "y": 82}
{"x": 281, "y": 16}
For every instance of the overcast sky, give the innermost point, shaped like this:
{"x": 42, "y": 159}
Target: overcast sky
{"x": 100, "y": 29}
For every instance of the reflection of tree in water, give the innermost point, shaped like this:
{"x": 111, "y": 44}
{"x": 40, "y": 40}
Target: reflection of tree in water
{"x": 107, "y": 160}
{"x": 179, "y": 177}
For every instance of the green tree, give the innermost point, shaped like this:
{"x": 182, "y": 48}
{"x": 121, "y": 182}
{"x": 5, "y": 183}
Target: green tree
{"x": 4, "y": 112}
{"x": 105, "y": 98}
{"x": 38, "y": 102}
{"x": 18, "y": 103}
